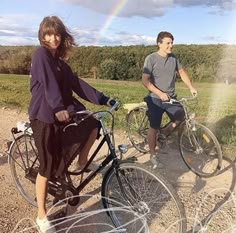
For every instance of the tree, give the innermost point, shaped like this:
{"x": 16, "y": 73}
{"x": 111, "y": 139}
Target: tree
{"x": 107, "y": 69}
{"x": 94, "y": 71}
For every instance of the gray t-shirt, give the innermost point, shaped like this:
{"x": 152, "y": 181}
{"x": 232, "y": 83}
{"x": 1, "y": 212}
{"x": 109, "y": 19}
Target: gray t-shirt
{"x": 162, "y": 71}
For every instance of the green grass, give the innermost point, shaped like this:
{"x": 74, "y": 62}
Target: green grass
{"x": 14, "y": 91}
{"x": 216, "y": 105}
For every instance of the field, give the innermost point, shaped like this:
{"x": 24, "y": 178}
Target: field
{"x": 210, "y": 202}
{"x": 216, "y": 104}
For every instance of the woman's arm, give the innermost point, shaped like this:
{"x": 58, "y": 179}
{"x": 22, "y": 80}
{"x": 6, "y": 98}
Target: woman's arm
{"x": 42, "y": 72}
{"x": 85, "y": 91}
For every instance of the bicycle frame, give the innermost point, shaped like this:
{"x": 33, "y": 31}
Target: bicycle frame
{"x": 189, "y": 122}
{"x": 188, "y": 118}
{"x": 111, "y": 157}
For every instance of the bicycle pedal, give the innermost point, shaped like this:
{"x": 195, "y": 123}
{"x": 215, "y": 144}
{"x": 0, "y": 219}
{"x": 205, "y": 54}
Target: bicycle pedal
{"x": 132, "y": 159}
{"x": 31, "y": 175}
{"x": 154, "y": 167}
{"x": 161, "y": 137}
{"x": 73, "y": 201}
{"x": 59, "y": 216}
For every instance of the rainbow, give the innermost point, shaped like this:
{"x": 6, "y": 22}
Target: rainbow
{"x": 109, "y": 19}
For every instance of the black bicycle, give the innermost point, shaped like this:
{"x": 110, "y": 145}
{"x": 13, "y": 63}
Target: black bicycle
{"x": 198, "y": 146}
{"x": 135, "y": 198}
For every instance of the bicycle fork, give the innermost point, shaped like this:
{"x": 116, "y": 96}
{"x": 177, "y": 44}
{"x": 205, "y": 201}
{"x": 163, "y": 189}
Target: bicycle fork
{"x": 191, "y": 127}
{"x": 140, "y": 206}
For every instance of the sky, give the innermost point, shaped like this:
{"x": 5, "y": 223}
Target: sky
{"x": 122, "y": 22}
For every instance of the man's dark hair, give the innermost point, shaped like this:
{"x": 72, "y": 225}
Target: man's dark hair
{"x": 162, "y": 35}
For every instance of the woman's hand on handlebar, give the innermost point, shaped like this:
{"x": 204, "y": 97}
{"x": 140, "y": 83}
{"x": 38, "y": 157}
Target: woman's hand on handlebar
{"x": 111, "y": 102}
{"x": 63, "y": 116}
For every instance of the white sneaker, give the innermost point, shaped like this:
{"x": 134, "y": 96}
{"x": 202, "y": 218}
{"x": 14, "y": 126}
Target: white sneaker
{"x": 45, "y": 226}
{"x": 156, "y": 162}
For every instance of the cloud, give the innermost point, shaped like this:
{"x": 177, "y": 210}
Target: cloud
{"x": 17, "y": 40}
{"x": 150, "y": 8}
{"x": 85, "y": 36}
{"x": 15, "y": 30}
{"x": 221, "y": 5}
{"x": 211, "y": 39}
{"x": 127, "y": 40}
{"x": 144, "y": 8}
{"x": 92, "y": 37}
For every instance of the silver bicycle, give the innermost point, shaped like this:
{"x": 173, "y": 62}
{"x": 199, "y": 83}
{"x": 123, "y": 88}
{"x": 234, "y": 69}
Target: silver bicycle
{"x": 197, "y": 144}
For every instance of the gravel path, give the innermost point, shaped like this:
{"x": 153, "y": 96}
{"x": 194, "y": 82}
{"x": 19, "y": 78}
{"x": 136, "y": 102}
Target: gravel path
{"x": 210, "y": 204}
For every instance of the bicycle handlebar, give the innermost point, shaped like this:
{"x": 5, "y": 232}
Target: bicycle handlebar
{"x": 115, "y": 106}
{"x": 97, "y": 115}
{"x": 182, "y": 100}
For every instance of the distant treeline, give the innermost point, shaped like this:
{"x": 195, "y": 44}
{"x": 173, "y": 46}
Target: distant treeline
{"x": 202, "y": 62}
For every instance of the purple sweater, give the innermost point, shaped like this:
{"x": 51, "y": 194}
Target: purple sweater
{"x": 50, "y": 94}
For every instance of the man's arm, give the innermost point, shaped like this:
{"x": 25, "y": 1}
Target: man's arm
{"x": 187, "y": 81}
{"x": 146, "y": 82}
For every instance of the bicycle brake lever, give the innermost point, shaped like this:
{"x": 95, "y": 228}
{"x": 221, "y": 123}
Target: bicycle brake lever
{"x": 170, "y": 101}
{"x": 72, "y": 124}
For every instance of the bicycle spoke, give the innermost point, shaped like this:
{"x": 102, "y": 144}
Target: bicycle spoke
{"x": 137, "y": 124}
{"x": 24, "y": 151}
{"x": 200, "y": 150}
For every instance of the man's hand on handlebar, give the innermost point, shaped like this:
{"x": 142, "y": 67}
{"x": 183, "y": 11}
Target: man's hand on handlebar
{"x": 164, "y": 96}
{"x": 193, "y": 91}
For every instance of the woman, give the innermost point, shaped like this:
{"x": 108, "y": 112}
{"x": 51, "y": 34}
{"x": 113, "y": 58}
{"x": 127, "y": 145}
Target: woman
{"x": 52, "y": 84}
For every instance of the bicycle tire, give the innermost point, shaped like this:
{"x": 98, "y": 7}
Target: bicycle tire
{"x": 200, "y": 150}
{"x": 20, "y": 164}
{"x": 150, "y": 203}
{"x": 137, "y": 125}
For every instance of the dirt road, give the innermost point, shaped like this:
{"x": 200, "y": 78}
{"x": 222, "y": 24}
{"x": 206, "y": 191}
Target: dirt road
{"x": 210, "y": 202}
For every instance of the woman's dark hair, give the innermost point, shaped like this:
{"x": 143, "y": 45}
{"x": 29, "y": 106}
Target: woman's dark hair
{"x": 162, "y": 35}
{"x": 52, "y": 24}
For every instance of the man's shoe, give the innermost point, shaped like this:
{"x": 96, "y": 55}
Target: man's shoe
{"x": 45, "y": 226}
{"x": 156, "y": 162}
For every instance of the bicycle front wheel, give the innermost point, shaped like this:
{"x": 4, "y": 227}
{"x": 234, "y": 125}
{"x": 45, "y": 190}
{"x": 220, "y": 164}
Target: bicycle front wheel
{"x": 138, "y": 200}
{"x": 24, "y": 164}
{"x": 137, "y": 125}
{"x": 200, "y": 150}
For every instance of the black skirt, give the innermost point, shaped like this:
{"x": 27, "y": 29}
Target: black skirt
{"x": 56, "y": 148}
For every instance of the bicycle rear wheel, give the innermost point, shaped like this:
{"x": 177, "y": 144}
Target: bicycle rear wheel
{"x": 138, "y": 200}
{"x": 200, "y": 150}
{"x": 24, "y": 166}
{"x": 137, "y": 125}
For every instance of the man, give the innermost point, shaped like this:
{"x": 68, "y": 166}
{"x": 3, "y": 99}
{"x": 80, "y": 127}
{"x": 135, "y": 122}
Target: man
{"x": 159, "y": 74}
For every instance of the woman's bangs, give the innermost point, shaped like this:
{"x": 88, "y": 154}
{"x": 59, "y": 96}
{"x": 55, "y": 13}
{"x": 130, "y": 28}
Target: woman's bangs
{"x": 51, "y": 30}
